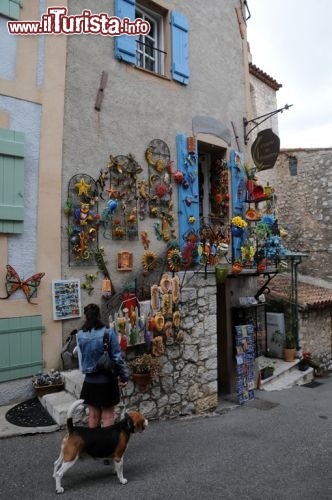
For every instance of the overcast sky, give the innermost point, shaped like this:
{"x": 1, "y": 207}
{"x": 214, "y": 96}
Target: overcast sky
{"x": 291, "y": 41}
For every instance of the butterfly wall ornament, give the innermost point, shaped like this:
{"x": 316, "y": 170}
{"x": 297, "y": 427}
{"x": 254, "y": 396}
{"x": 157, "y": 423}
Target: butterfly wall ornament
{"x": 14, "y": 283}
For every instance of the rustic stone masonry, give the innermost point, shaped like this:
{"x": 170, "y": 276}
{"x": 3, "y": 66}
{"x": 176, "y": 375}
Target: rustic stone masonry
{"x": 304, "y": 206}
{"x": 188, "y": 382}
{"x": 315, "y": 334}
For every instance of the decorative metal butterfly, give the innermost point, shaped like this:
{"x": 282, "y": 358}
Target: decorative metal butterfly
{"x": 14, "y": 283}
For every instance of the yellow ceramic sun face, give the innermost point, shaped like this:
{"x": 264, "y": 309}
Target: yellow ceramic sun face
{"x": 82, "y": 187}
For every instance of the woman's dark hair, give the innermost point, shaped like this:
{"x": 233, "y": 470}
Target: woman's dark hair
{"x": 92, "y": 318}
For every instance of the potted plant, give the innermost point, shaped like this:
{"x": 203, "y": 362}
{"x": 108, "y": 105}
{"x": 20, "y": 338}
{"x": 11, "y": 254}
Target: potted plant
{"x": 289, "y": 346}
{"x": 47, "y": 383}
{"x": 144, "y": 368}
{"x": 237, "y": 267}
{"x": 307, "y": 361}
{"x": 267, "y": 372}
{"x": 238, "y": 224}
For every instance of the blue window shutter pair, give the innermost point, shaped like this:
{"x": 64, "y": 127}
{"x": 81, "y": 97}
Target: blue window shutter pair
{"x": 12, "y": 181}
{"x": 188, "y": 196}
{"x": 125, "y": 46}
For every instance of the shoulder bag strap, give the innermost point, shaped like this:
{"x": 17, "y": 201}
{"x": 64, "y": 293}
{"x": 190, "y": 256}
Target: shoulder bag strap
{"x": 106, "y": 339}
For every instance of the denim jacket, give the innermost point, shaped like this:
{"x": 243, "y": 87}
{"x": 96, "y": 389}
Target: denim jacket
{"x": 90, "y": 344}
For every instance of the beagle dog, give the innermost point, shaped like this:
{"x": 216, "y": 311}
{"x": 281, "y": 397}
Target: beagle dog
{"x": 100, "y": 442}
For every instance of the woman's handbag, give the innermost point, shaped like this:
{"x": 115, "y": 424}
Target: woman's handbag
{"x": 105, "y": 363}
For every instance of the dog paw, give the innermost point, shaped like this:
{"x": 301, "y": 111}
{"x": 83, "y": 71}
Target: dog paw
{"x": 123, "y": 481}
{"x": 60, "y": 490}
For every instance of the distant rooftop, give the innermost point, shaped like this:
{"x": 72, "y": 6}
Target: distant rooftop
{"x": 264, "y": 77}
{"x": 309, "y": 296}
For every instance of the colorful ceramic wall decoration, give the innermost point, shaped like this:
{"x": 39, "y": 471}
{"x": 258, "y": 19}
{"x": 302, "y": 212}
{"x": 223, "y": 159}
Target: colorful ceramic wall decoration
{"x": 83, "y": 219}
{"x": 120, "y": 215}
{"x": 87, "y": 284}
{"x": 15, "y": 283}
{"x": 160, "y": 189}
{"x": 165, "y": 318}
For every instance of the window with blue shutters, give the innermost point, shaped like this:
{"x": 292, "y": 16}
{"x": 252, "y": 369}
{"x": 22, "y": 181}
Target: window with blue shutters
{"x": 10, "y": 8}
{"x": 12, "y": 181}
{"x": 151, "y": 52}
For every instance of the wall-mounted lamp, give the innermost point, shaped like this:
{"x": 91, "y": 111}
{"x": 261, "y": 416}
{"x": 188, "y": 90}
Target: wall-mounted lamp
{"x": 262, "y": 119}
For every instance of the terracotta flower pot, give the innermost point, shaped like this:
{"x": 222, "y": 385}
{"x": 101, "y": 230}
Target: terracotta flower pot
{"x": 289, "y": 355}
{"x": 236, "y": 268}
{"x": 142, "y": 380}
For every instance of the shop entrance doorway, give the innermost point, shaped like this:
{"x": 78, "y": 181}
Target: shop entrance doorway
{"x": 212, "y": 171}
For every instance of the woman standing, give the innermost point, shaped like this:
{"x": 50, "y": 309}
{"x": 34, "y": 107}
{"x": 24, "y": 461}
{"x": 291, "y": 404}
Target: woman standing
{"x": 100, "y": 392}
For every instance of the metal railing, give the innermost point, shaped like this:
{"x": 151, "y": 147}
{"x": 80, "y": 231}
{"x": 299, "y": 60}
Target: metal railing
{"x": 150, "y": 58}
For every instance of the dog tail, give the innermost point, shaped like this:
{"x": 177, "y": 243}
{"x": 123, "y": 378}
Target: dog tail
{"x": 70, "y": 413}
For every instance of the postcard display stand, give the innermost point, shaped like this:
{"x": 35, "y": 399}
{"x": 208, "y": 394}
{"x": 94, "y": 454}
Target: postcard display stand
{"x": 253, "y": 314}
{"x": 245, "y": 362}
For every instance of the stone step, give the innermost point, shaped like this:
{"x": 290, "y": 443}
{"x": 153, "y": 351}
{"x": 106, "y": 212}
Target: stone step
{"x": 57, "y": 404}
{"x": 73, "y": 380}
{"x": 287, "y": 375}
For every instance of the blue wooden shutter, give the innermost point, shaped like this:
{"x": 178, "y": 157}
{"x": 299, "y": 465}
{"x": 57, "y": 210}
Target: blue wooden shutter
{"x": 238, "y": 178}
{"x": 190, "y": 173}
{"x": 12, "y": 181}
{"x": 21, "y": 352}
{"x": 125, "y": 45}
{"x": 180, "y": 47}
{"x": 10, "y": 8}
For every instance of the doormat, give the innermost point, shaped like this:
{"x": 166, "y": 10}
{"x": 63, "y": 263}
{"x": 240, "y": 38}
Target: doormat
{"x": 30, "y": 413}
{"x": 312, "y": 384}
{"x": 261, "y": 404}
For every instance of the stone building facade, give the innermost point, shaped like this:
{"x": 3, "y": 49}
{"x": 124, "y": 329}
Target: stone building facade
{"x": 304, "y": 208}
{"x": 188, "y": 383}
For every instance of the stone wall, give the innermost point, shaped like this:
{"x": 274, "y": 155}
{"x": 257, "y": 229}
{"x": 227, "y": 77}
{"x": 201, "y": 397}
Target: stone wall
{"x": 315, "y": 334}
{"x": 188, "y": 382}
{"x": 304, "y": 206}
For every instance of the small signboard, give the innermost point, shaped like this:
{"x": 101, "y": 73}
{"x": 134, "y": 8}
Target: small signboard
{"x": 265, "y": 149}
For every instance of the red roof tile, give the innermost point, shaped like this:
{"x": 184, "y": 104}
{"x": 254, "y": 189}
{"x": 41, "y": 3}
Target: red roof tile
{"x": 264, "y": 77}
{"x": 309, "y": 296}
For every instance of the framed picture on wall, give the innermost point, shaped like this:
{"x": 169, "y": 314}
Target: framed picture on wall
{"x": 66, "y": 298}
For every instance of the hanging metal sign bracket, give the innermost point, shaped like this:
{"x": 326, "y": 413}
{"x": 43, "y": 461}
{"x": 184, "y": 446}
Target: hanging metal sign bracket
{"x": 262, "y": 119}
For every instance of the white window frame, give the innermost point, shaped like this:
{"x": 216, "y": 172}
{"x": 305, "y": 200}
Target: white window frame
{"x": 157, "y": 42}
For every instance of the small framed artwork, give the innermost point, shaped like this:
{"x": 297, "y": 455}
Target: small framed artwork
{"x": 66, "y": 298}
{"x": 125, "y": 261}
